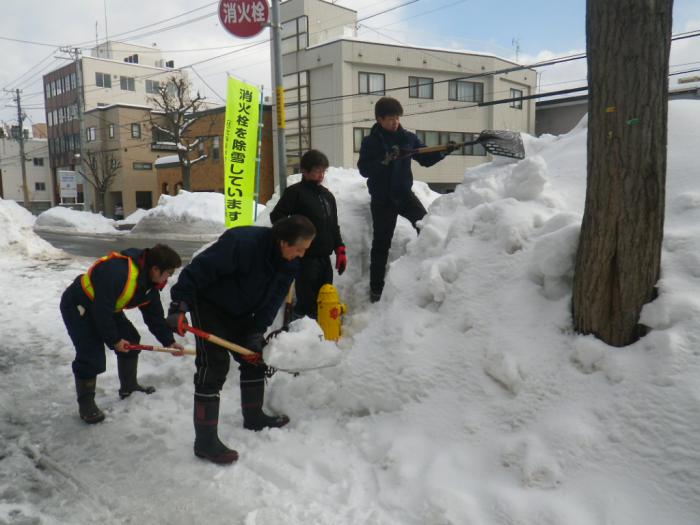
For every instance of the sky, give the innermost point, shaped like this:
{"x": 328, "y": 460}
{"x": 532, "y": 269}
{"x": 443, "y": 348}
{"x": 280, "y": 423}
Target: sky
{"x": 538, "y": 30}
{"x": 463, "y": 396}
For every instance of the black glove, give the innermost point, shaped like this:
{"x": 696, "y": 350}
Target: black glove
{"x": 176, "y": 317}
{"x": 391, "y": 155}
{"x": 254, "y": 341}
{"x": 452, "y": 146}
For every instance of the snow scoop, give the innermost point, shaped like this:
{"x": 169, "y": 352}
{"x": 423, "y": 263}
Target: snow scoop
{"x": 186, "y": 351}
{"x": 247, "y": 354}
{"x": 503, "y": 143}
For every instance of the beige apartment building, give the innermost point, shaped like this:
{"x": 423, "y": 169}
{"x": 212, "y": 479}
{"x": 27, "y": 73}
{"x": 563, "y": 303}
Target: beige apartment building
{"x": 122, "y": 133}
{"x": 114, "y": 73}
{"x": 333, "y": 79}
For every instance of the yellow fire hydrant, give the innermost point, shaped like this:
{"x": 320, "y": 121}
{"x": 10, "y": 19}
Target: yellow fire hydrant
{"x": 330, "y": 311}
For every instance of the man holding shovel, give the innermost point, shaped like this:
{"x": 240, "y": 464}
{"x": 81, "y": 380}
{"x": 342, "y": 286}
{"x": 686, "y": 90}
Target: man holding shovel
{"x": 92, "y": 309}
{"x": 389, "y": 181}
{"x": 233, "y": 289}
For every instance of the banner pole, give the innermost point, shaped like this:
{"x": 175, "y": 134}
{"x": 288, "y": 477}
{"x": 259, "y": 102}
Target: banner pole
{"x": 261, "y": 123}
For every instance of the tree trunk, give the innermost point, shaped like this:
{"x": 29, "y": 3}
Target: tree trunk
{"x": 186, "y": 177}
{"x": 619, "y": 252}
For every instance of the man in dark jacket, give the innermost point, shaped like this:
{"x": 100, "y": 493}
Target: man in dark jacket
{"x": 385, "y": 161}
{"x": 315, "y": 202}
{"x": 92, "y": 309}
{"x": 233, "y": 289}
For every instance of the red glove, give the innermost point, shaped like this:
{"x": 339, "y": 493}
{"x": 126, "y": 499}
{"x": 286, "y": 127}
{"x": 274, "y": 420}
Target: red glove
{"x": 341, "y": 260}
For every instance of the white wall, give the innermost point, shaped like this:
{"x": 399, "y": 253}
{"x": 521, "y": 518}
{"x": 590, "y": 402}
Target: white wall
{"x": 12, "y": 170}
{"x": 115, "y": 95}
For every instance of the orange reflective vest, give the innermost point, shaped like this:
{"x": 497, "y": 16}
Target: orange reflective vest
{"x": 129, "y": 287}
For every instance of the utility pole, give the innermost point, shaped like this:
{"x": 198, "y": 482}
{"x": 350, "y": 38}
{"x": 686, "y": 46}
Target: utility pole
{"x": 75, "y": 54}
{"x": 22, "y": 159}
{"x": 276, "y": 28}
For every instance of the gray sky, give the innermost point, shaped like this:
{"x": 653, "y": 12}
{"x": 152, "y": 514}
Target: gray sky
{"x": 539, "y": 29}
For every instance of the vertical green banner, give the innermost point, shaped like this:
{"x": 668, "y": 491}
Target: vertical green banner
{"x": 240, "y": 152}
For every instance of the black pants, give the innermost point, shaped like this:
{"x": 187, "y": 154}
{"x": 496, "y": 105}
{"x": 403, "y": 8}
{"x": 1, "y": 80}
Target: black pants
{"x": 384, "y": 216}
{"x": 314, "y": 273}
{"x": 213, "y": 362}
{"x": 89, "y": 347}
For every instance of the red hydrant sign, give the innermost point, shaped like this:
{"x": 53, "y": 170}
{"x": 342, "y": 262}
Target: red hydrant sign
{"x": 244, "y": 18}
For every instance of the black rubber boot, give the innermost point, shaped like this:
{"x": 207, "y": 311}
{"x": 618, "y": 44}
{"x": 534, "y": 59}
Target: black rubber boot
{"x": 127, "y": 366}
{"x": 206, "y": 422}
{"x": 252, "y": 397}
{"x": 85, "y": 389}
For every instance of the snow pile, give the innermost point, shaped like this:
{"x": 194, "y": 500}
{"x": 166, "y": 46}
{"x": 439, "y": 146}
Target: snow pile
{"x": 186, "y": 214}
{"x": 303, "y": 347}
{"x": 462, "y": 397}
{"x": 133, "y": 218}
{"x": 60, "y": 218}
{"x": 17, "y": 237}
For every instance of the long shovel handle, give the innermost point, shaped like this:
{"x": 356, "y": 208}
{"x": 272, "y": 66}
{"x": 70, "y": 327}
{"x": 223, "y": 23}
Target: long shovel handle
{"x": 151, "y": 348}
{"x": 496, "y": 142}
{"x": 219, "y": 341}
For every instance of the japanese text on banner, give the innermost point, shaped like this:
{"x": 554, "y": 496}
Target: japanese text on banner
{"x": 240, "y": 152}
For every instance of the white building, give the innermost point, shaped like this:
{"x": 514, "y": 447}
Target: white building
{"x": 115, "y": 73}
{"x": 36, "y": 163}
{"x": 333, "y": 79}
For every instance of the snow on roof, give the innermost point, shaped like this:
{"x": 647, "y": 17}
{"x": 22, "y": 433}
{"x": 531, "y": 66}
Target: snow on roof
{"x": 168, "y": 160}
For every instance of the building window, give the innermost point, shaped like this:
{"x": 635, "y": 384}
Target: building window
{"x": 40, "y": 186}
{"x": 464, "y": 91}
{"x": 38, "y": 161}
{"x": 372, "y": 83}
{"x": 110, "y": 131}
{"x": 200, "y": 146}
{"x": 91, "y": 134}
{"x": 103, "y": 80}
{"x": 136, "y": 131}
{"x": 144, "y": 200}
{"x": 516, "y": 93}
{"x": 420, "y": 87}
{"x": 127, "y": 83}
{"x": 216, "y": 148}
{"x": 434, "y": 138}
{"x": 357, "y": 135}
{"x": 152, "y": 86}
{"x": 142, "y": 166}
{"x": 295, "y": 34}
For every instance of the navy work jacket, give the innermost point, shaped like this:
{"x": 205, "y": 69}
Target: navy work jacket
{"x": 393, "y": 181}
{"x": 243, "y": 274}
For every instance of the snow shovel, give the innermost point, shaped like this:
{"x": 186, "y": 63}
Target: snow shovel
{"x": 186, "y": 351}
{"x": 503, "y": 143}
{"x": 247, "y": 354}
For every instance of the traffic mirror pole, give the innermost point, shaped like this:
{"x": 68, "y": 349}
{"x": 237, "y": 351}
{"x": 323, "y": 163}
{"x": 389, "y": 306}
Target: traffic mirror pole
{"x": 276, "y": 28}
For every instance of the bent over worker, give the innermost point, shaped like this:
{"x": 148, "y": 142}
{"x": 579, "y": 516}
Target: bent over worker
{"x": 93, "y": 312}
{"x": 233, "y": 289}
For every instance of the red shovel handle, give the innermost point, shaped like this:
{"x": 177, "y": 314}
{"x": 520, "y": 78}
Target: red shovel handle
{"x": 218, "y": 341}
{"x": 186, "y": 351}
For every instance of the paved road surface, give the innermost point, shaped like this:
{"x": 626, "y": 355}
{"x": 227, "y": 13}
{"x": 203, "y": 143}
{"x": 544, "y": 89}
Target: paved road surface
{"x": 97, "y": 246}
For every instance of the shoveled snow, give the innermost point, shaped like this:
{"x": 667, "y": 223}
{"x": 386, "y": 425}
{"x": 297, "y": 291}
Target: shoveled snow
{"x": 462, "y": 397}
{"x": 303, "y": 347}
{"x": 60, "y": 218}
